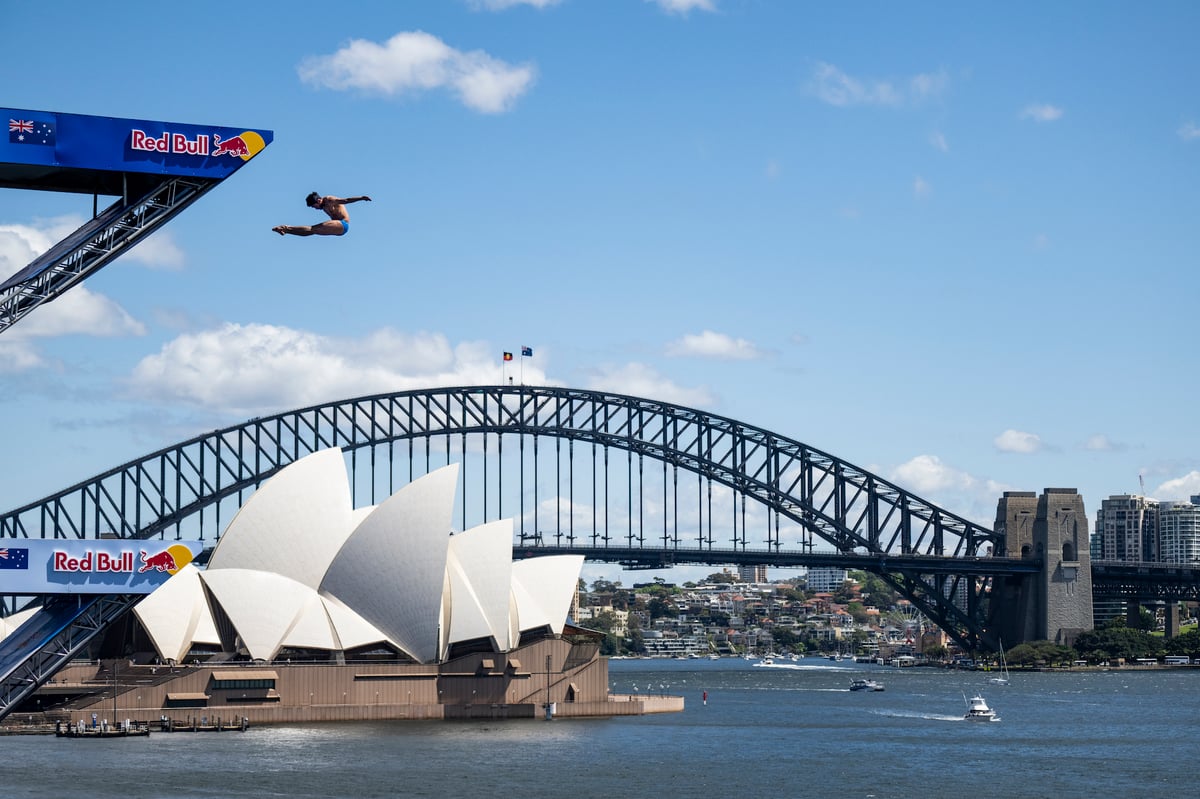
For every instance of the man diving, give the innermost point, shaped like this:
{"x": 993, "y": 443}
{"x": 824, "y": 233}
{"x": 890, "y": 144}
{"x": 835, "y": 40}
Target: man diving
{"x": 338, "y": 223}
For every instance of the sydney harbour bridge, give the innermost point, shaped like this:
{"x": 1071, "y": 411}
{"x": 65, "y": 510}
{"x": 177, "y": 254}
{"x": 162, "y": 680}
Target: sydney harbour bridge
{"x": 615, "y": 478}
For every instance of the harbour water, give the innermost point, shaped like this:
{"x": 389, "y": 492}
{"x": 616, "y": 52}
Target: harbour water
{"x": 792, "y": 729}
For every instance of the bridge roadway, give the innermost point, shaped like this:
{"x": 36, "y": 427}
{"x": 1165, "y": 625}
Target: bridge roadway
{"x": 1141, "y": 581}
{"x": 646, "y": 557}
{"x": 1170, "y": 582}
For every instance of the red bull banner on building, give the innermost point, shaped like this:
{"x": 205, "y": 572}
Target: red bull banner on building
{"x": 91, "y": 566}
{"x": 78, "y": 141}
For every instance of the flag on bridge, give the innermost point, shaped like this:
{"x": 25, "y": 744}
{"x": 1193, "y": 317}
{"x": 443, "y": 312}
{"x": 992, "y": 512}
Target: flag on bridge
{"x": 508, "y": 356}
{"x": 14, "y": 558}
{"x": 527, "y": 352}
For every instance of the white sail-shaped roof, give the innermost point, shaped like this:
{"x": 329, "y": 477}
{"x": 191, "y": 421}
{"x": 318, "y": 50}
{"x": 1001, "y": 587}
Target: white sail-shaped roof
{"x": 392, "y": 568}
{"x": 544, "y": 589}
{"x": 294, "y": 524}
{"x": 263, "y": 607}
{"x": 176, "y": 615}
{"x": 480, "y": 570}
{"x": 311, "y": 628}
{"x": 352, "y": 630}
{"x": 298, "y": 567}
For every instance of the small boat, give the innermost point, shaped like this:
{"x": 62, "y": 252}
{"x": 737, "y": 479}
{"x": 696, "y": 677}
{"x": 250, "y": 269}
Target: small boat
{"x": 1002, "y": 679}
{"x": 978, "y": 710}
{"x": 865, "y": 685}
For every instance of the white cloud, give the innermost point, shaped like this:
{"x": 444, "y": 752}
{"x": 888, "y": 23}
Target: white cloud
{"x": 416, "y": 61}
{"x": 1016, "y": 441}
{"x": 1189, "y": 131}
{"x": 159, "y": 251}
{"x": 18, "y": 355}
{"x": 640, "y": 380}
{"x": 255, "y": 368}
{"x": 833, "y": 86}
{"x": 1102, "y": 443}
{"x": 1180, "y": 488}
{"x": 955, "y": 490}
{"x": 77, "y": 311}
{"x": 773, "y": 170}
{"x": 684, "y": 7}
{"x": 921, "y": 188}
{"x": 1041, "y": 112}
{"x": 713, "y": 345}
{"x": 938, "y": 140}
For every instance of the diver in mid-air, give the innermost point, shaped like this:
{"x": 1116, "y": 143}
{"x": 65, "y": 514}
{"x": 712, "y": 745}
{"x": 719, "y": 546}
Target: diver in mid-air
{"x": 338, "y": 223}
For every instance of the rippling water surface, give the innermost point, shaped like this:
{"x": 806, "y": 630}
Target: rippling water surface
{"x": 788, "y": 730}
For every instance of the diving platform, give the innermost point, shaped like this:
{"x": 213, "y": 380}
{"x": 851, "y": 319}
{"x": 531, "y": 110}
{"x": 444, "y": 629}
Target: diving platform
{"x": 51, "y": 638}
{"x": 154, "y": 170}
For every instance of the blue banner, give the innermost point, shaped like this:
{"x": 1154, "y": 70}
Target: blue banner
{"x": 127, "y": 145}
{"x": 91, "y": 566}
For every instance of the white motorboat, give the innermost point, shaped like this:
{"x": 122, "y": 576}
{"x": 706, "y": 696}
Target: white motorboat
{"x": 865, "y": 685}
{"x": 978, "y": 710}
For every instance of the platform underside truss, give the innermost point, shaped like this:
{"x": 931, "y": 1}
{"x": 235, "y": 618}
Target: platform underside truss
{"x": 95, "y": 244}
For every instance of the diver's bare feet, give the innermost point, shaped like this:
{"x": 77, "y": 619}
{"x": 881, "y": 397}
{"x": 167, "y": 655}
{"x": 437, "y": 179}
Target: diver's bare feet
{"x": 280, "y": 229}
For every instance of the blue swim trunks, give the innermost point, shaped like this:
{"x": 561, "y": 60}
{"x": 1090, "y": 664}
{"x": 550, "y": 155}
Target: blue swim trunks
{"x": 345, "y": 226}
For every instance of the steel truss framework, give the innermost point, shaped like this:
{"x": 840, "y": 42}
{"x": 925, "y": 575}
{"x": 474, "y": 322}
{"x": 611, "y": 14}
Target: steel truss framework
{"x": 83, "y": 618}
{"x": 97, "y": 242}
{"x": 1146, "y": 581}
{"x": 860, "y": 517}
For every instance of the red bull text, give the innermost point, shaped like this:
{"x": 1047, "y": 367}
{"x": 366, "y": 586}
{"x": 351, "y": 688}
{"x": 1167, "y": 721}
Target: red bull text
{"x": 180, "y": 144}
{"x": 93, "y": 562}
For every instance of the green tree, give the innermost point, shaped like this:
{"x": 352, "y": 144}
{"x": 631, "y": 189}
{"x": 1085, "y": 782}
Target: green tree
{"x": 658, "y": 608}
{"x": 1185, "y": 644}
{"x": 634, "y": 641}
{"x": 1117, "y": 641}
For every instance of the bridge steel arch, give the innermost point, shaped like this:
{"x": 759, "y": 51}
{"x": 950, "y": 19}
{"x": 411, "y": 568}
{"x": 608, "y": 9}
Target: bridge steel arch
{"x": 857, "y": 516}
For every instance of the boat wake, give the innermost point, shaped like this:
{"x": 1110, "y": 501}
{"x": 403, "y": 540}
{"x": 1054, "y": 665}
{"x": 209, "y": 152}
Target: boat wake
{"x": 800, "y": 667}
{"x": 895, "y": 714}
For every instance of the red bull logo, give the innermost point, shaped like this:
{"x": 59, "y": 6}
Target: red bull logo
{"x": 169, "y": 560}
{"x": 235, "y": 146}
{"x": 164, "y": 562}
{"x": 244, "y": 146}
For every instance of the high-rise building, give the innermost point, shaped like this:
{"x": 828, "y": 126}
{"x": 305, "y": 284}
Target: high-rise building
{"x": 1179, "y": 531}
{"x": 752, "y": 574}
{"x": 1127, "y": 529}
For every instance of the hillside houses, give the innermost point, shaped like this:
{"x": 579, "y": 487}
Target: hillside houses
{"x": 725, "y": 617}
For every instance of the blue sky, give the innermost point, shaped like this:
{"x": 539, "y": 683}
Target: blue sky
{"x": 954, "y": 244}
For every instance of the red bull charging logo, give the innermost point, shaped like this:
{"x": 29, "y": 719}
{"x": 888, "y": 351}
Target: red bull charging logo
{"x": 244, "y": 146}
{"x": 169, "y": 560}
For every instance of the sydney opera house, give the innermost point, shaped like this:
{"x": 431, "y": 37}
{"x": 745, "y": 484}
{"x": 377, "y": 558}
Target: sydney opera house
{"x": 312, "y": 610}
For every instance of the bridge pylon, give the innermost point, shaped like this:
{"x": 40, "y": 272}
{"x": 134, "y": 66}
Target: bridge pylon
{"x": 1056, "y": 603}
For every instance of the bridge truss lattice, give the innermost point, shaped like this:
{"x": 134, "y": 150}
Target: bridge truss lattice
{"x": 594, "y": 473}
